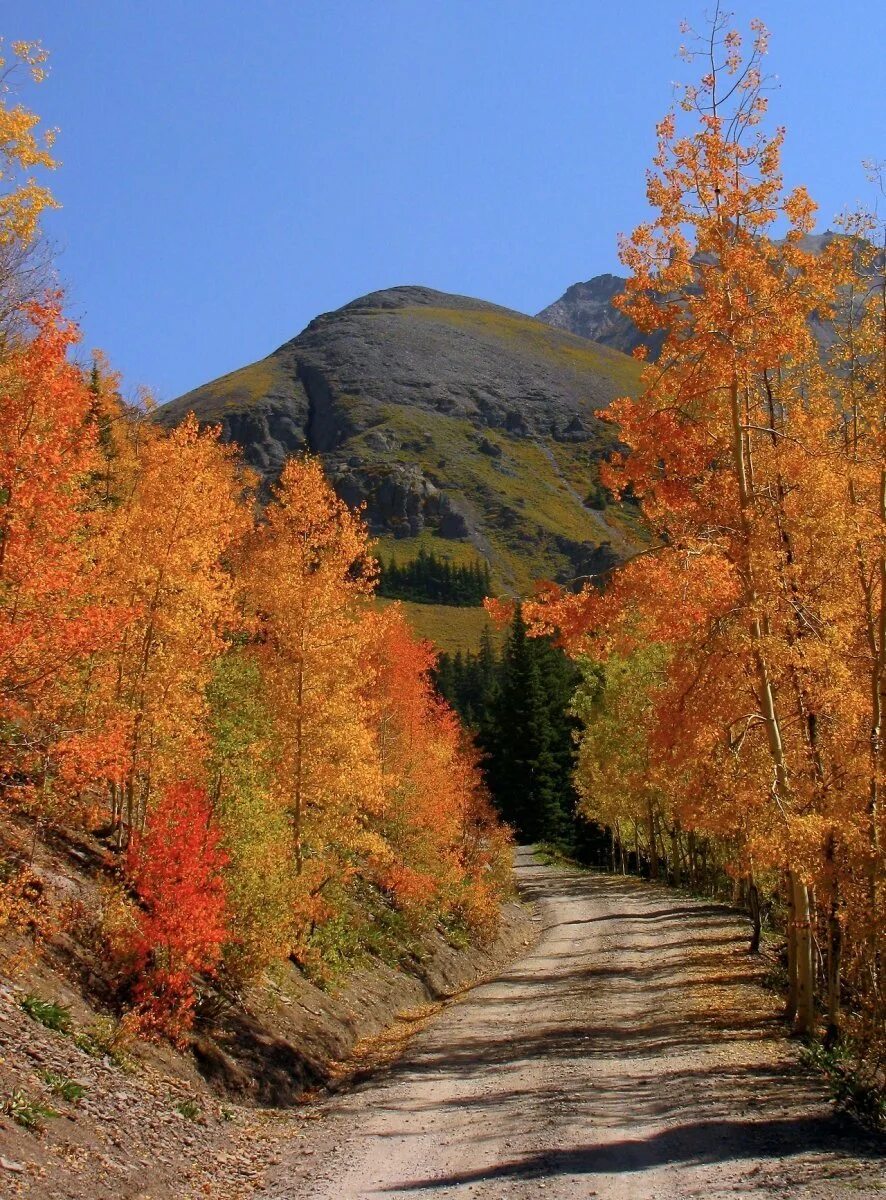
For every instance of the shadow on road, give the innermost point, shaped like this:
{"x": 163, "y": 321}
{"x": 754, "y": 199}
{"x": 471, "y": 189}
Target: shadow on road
{"x": 699, "y": 1142}
{"x": 633, "y": 1036}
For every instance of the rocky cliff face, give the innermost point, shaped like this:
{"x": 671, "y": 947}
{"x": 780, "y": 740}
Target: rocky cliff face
{"x": 586, "y": 309}
{"x": 447, "y": 417}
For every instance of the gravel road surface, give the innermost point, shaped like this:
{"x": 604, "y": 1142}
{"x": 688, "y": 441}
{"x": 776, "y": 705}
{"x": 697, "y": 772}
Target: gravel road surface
{"x": 630, "y": 1055}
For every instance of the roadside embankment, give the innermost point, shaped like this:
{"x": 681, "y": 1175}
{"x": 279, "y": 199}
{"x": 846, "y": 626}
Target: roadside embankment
{"x": 84, "y": 1112}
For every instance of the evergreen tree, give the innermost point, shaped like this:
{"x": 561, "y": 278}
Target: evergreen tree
{"x": 519, "y": 705}
{"x": 519, "y": 741}
{"x": 559, "y": 678}
{"x": 444, "y": 678}
{"x": 428, "y": 579}
{"x": 486, "y": 669}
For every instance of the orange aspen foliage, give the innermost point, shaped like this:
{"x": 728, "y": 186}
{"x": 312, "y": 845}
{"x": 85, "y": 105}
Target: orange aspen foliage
{"x": 858, "y": 360}
{"x": 151, "y": 633}
{"x": 737, "y": 449}
{"x": 176, "y": 867}
{"x": 163, "y": 557}
{"x": 51, "y": 621}
{"x": 419, "y": 753}
{"x": 449, "y": 852}
{"x": 128, "y": 664}
{"x": 484, "y": 848}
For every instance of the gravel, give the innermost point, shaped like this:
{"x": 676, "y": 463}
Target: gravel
{"x": 631, "y": 1054}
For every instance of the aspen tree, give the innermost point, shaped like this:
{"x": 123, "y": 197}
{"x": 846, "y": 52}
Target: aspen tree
{"x": 726, "y": 444}
{"x": 307, "y": 573}
{"x": 162, "y": 557}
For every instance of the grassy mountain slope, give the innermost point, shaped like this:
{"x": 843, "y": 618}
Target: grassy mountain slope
{"x": 447, "y": 418}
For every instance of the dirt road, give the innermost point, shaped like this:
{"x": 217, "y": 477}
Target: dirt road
{"x": 629, "y": 1056}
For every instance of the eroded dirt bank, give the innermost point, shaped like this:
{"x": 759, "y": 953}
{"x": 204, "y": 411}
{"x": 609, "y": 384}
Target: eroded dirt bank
{"x": 157, "y": 1125}
{"x": 631, "y": 1055}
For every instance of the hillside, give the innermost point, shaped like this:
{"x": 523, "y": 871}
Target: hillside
{"x": 460, "y": 425}
{"x": 90, "y": 1111}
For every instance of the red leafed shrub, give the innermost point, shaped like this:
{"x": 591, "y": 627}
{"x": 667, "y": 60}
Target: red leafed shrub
{"x": 176, "y": 870}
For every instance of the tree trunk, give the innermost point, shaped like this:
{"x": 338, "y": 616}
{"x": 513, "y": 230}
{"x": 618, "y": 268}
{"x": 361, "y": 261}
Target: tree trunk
{"x": 297, "y": 798}
{"x": 878, "y": 748}
{"x": 621, "y": 847}
{"x": 754, "y": 910}
{"x": 791, "y": 932}
{"x": 653, "y": 849}
{"x": 677, "y": 854}
{"x": 801, "y": 993}
{"x": 804, "y": 1020}
{"x": 835, "y": 955}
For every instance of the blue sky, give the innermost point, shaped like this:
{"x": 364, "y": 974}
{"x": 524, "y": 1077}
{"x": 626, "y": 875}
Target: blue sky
{"x": 231, "y": 168}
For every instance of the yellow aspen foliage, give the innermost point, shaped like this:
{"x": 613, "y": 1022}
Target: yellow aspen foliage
{"x": 760, "y": 470}
{"x": 22, "y": 148}
{"x": 306, "y": 573}
{"x": 255, "y": 827}
{"x": 208, "y": 688}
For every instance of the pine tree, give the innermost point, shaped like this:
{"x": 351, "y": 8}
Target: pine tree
{"x": 519, "y": 742}
{"x": 444, "y": 677}
{"x": 487, "y": 669}
{"x": 428, "y": 579}
{"x": 559, "y": 679}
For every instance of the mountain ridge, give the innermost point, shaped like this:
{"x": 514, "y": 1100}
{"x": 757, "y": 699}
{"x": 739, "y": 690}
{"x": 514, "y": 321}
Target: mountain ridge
{"x": 586, "y": 308}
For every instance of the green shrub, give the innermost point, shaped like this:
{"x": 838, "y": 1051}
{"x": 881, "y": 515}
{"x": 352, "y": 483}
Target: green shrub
{"x": 363, "y": 925}
{"x": 47, "y": 1012}
{"x": 853, "y": 1090}
{"x": 28, "y": 1113}
{"x": 105, "y": 1037}
{"x": 60, "y": 1085}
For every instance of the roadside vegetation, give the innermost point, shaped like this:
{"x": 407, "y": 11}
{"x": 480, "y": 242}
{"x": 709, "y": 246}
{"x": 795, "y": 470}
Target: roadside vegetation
{"x": 205, "y": 687}
{"x": 734, "y": 673}
{"x": 273, "y": 766}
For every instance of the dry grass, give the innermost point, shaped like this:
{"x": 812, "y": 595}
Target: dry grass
{"x": 449, "y": 628}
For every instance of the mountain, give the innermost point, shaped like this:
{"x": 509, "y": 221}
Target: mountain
{"x": 587, "y": 310}
{"x": 461, "y": 426}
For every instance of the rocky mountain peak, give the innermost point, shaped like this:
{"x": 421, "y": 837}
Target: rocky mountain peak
{"x": 445, "y": 416}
